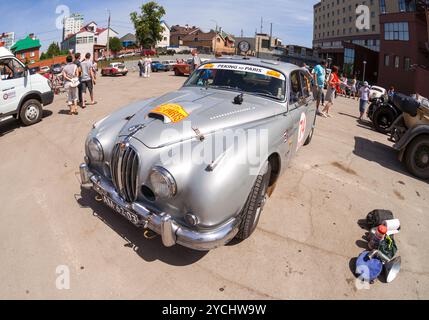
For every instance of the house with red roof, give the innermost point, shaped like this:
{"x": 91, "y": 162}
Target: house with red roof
{"x": 91, "y": 38}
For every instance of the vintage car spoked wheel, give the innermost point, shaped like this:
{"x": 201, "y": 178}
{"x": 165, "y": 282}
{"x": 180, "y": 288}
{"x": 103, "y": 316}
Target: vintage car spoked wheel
{"x": 383, "y": 118}
{"x": 255, "y": 204}
{"x": 31, "y": 112}
{"x": 417, "y": 157}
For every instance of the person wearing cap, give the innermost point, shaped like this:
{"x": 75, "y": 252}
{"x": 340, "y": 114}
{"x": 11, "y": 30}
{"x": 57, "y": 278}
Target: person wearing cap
{"x": 364, "y": 99}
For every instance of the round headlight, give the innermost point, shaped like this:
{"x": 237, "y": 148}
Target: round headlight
{"x": 163, "y": 183}
{"x": 95, "y": 150}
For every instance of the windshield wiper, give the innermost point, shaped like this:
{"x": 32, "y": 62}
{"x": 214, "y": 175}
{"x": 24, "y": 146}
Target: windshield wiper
{"x": 226, "y": 87}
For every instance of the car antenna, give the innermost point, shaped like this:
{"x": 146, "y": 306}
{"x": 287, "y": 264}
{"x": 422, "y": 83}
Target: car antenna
{"x": 239, "y": 99}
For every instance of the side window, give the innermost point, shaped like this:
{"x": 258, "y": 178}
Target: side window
{"x": 11, "y": 69}
{"x": 295, "y": 87}
{"x": 306, "y": 84}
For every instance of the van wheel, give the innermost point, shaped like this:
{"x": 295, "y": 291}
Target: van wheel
{"x": 255, "y": 204}
{"x": 417, "y": 157}
{"x": 31, "y": 112}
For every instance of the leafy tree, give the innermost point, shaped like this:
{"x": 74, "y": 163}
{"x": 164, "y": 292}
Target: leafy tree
{"x": 53, "y": 50}
{"x": 43, "y": 56}
{"x": 115, "y": 44}
{"x": 148, "y": 24}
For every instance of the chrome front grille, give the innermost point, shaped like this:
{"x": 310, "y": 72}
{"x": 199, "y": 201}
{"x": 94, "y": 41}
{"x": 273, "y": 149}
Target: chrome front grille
{"x": 124, "y": 168}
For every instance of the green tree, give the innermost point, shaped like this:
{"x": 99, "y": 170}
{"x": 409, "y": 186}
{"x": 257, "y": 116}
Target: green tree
{"x": 148, "y": 24}
{"x": 53, "y": 50}
{"x": 115, "y": 44}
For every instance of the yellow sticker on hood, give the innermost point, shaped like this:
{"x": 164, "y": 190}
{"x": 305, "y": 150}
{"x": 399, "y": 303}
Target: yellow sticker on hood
{"x": 172, "y": 111}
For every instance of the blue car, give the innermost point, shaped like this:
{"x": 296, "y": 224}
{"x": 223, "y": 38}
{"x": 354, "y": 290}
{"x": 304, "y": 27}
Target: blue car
{"x": 158, "y": 66}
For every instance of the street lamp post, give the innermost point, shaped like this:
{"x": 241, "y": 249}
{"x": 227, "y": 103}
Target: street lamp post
{"x": 364, "y": 69}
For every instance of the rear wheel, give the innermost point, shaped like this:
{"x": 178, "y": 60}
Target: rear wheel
{"x": 383, "y": 118}
{"x": 31, "y": 112}
{"x": 255, "y": 204}
{"x": 417, "y": 157}
{"x": 177, "y": 72}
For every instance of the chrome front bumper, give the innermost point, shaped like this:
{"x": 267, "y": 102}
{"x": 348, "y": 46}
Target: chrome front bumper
{"x": 163, "y": 224}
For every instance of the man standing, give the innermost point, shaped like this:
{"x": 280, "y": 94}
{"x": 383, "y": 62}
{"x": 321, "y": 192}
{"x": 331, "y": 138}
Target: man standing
{"x": 87, "y": 79}
{"x": 196, "y": 61}
{"x": 147, "y": 66}
{"x": 141, "y": 67}
{"x": 78, "y": 63}
{"x": 319, "y": 76}
{"x": 364, "y": 99}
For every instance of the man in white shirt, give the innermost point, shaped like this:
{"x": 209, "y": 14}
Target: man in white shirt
{"x": 147, "y": 66}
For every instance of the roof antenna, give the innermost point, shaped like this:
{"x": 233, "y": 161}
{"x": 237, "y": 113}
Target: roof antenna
{"x": 239, "y": 99}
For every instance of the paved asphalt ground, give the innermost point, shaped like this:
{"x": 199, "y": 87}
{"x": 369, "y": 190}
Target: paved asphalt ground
{"x": 303, "y": 248}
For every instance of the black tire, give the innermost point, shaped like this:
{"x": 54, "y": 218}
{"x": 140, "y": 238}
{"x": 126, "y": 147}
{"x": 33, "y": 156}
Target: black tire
{"x": 417, "y": 157}
{"x": 177, "y": 72}
{"x": 31, "y": 112}
{"x": 383, "y": 118}
{"x": 255, "y": 204}
{"x": 309, "y": 138}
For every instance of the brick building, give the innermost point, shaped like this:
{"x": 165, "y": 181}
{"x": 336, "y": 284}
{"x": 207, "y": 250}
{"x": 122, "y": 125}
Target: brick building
{"x": 404, "y": 50}
{"x": 27, "y": 50}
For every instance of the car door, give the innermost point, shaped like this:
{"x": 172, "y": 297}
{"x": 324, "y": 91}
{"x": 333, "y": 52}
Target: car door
{"x": 297, "y": 112}
{"x": 309, "y": 103}
{"x": 13, "y": 85}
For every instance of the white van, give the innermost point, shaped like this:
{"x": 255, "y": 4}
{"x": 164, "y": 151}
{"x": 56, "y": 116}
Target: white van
{"x": 22, "y": 95}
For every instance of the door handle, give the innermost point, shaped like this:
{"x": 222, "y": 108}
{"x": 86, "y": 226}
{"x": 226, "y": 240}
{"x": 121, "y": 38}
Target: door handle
{"x": 7, "y": 89}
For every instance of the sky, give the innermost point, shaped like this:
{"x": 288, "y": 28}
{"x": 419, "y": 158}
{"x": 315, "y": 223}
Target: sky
{"x": 292, "y": 19}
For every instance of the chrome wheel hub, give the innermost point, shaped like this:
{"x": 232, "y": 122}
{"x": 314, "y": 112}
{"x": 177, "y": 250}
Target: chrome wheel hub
{"x": 32, "y": 112}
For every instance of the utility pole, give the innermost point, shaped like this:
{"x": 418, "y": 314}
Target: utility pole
{"x": 108, "y": 37}
{"x": 271, "y": 34}
{"x": 262, "y": 24}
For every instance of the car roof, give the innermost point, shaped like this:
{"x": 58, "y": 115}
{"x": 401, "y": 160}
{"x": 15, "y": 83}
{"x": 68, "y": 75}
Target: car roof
{"x": 284, "y": 67}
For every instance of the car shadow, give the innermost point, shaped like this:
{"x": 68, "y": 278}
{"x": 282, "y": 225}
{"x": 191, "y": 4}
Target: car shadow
{"x": 148, "y": 250}
{"x": 11, "y": 125}
{"x": 380, "y": 153}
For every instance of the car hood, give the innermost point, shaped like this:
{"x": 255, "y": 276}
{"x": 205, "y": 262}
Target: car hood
{"x": 207, "y": 111}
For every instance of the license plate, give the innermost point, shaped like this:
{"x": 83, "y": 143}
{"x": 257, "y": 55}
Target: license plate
{"x": 130, "y": 216}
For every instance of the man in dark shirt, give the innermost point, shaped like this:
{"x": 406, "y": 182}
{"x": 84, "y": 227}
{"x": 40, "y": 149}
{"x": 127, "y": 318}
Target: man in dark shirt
{"x": 78, "y": 63}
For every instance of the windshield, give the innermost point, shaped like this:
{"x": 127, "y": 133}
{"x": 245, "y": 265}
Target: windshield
{"x": 240, "y": 77}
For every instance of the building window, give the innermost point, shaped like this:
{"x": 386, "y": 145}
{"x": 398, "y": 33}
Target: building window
{"x": 349, "y": 60}
{"x": 396, "y": 31}
{"x": 397, "y": 62}
{"x": 401, "y": 5}
{"x": 386, "y": 60}
{"x": 32, "y": 54}
{"x": 407, "y": 63}
{"x": 382, "y": 6}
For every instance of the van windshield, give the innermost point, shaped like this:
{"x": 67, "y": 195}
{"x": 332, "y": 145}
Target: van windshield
{"x": 240, "y": 77}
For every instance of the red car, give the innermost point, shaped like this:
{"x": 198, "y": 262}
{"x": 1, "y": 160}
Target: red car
{"x": 114, "y": 69}
{"x": 182, "y": 68}
{"x": 147, "y": 52}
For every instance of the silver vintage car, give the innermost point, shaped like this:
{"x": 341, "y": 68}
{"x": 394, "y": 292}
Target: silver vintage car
{"x": 197, "y": 165}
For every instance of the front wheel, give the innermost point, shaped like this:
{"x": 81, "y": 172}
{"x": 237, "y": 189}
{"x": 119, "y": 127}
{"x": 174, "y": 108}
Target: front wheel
{"x": 255, "y": 204}
{"x": 31, "y": 112}
{"x": 417, "y": 157}
{"x": 383, "y": 118}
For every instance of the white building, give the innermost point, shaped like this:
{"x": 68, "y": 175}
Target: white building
{"x": 165, "y": 42}
{"x": 72, "y": 24}
{"x": 7, "y": 39}
{"x": 89, "y": 38}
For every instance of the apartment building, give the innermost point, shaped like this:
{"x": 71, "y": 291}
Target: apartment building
{"x": 335, "y": 22}
{"x": 72, "y": 25}
{"x": 350, "y": 46}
